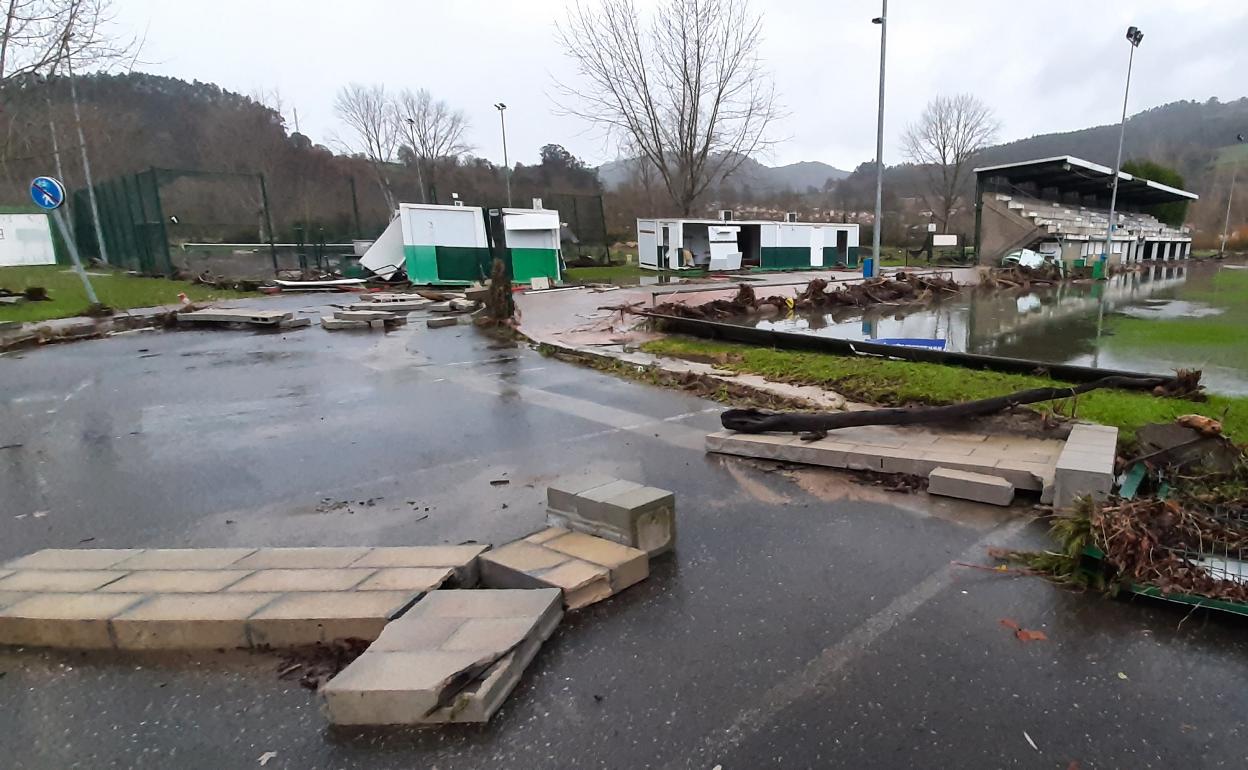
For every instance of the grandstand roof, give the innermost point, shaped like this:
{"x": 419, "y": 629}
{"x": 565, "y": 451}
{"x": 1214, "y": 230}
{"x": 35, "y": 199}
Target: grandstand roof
{"x": 1075, "y": 175}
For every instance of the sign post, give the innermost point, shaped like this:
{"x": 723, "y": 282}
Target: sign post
{"x": 49, "y": 194}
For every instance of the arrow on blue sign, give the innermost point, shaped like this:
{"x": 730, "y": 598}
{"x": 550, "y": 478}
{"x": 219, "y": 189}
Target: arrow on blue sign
{"x": 47, "y": 193}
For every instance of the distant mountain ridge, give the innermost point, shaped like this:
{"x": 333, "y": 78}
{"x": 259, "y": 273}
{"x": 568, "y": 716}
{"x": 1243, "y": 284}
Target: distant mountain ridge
{"x": 760, "y": 178}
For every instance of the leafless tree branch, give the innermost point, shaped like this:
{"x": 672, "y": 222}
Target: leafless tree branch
{"x": 433, "y": 131}
{"x": 687, "y": 93}
{"x": 943, "y": 143}
{"x": 367, "y": 111}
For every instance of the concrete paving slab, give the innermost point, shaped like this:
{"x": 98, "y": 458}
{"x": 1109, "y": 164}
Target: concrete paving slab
{"x": 365, "y": 315}
{"x": 188, "y": 622}
{"x": 331, "y": 324}
{"x": 176, "y": 581}
{"x": 417, "y": 579}
{"x": 65, "y": 620}
{"x": 441, "y": 323}
{"x": 462, "y": 558}
{"x": 561, "y": 493}
{"x": 310, "y": 617}
{"x": 234, "y": 315}
{"x": 184, "y": 558}
{"x": 50, "y": 580}
{"x": 587, "y": 569}
{"x": 300, "y": 558}
{"x": 8, "y": 598}
{"x": 286, "y": 580}
{"x": 429, "y": 667}
{"x": 73, "y": 558}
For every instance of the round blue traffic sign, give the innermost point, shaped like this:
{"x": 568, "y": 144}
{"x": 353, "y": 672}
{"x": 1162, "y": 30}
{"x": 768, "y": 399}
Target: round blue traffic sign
{"x": 47, "y": 193}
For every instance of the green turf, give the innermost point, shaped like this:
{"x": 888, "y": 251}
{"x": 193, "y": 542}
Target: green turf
{"x": 1230, "y": 154}
{"x": 900, "y": 383}
{"x": 1218, "y": 338}
{"x": 116, "y": 290}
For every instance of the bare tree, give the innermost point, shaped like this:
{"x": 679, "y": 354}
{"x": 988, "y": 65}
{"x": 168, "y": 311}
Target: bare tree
{"x": 951, "y": 131}
{"x": 39, "y": 36}
{"x": 369, "y": 114}
{"x": 687, "y": 91}
{"x": 433, "y": 131}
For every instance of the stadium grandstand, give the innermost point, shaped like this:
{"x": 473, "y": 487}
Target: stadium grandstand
{"x": 1060, "y": 206}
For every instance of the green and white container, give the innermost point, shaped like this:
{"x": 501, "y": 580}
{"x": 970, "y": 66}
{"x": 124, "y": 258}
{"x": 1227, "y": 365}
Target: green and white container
{"x": 456, "y": 245}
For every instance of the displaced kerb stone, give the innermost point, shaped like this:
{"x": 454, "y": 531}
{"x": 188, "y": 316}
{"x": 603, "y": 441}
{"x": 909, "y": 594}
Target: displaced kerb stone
{"x": 525, "y": 557}
{"x": 970, "y": 486}
{"x": 538, "y": 538}
{"x": 486, "y": 603}
{"x": 415, "y": 631}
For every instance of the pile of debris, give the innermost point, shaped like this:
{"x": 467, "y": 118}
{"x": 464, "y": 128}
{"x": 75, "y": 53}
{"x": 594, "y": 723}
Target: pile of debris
{"x": 1187, "y": 542}
{"x": 897, "y": 290}
{"x": 29, "y": 294}
{"x": 1020, "y": 277}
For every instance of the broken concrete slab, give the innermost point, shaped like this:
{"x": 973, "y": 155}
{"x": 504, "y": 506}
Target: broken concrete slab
{"x": 235, "y": 315}
{"x": 454, "y": 657}
{"x": 396, "y": 306}
{"x": 441, "y": 323}
{"x": 416, "y": 579}
{"x": 294, "y": 323}
{"x": 587, "y": 569}
{"x": 365, "y": 315}
{"x": 979, "y": 487}
{"x": 465, "y": 305}
{"x": 331, "y": 324}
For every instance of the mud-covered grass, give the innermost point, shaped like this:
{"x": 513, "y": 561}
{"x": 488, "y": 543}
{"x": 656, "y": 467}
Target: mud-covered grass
{"x": 903, "y": 383}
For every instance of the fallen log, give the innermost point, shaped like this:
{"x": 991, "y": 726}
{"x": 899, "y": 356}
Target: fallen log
{"x": 757, "y": 421}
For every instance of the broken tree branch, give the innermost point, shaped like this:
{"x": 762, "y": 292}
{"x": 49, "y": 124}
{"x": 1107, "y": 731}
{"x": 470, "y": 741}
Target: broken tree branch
{"x": 756, "y": 421}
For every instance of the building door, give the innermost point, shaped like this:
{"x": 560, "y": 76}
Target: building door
{"x": 816, "y": 247}
{"x": 842, "y": 248}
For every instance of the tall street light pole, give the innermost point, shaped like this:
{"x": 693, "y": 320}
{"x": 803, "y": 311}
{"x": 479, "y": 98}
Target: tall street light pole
{"x": 86, "y": 162}
{"x": 1230, "y": 195}
{"x": 502, "y": 121}
{"x": 1134, "y": 36}
{"x": 882, "y": 20}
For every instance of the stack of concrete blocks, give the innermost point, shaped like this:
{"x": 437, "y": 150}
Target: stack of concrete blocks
{"x": 1086, "y": 465}
{"x": 622, "y": 511}
{"x": 397, "y": 303}
{"x": 454, "y": 657}
{"x": 586, "y": 569}
{"x": 278, "y": 319}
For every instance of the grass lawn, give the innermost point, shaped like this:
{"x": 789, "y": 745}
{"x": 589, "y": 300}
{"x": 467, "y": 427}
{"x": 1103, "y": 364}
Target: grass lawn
{"x": 117, "y": 290}
{"x": 605, "y": 274}
{"x": 901, "y": 383}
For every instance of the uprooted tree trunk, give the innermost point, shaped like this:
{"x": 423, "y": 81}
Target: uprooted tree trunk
{"x": 755, "y": 421}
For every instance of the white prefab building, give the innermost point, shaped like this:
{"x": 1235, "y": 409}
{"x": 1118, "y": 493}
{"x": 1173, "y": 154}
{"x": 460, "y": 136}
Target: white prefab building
{"x": 441, "y": 245}
{"x": 25, "y": 239}
{"x": 713, "y": 244}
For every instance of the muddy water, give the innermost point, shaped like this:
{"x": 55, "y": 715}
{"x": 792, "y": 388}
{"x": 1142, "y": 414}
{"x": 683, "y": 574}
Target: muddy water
{"x": 1053, "y": 324}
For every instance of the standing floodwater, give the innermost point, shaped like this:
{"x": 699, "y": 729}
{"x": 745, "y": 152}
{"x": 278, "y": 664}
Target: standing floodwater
{"x": 1153, "y": 321}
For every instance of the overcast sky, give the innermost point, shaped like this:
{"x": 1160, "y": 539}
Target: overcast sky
{"x": 1046, "y": 66}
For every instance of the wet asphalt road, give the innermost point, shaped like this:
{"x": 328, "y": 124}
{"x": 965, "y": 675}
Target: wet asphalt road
{"x": 805, "y": 621}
